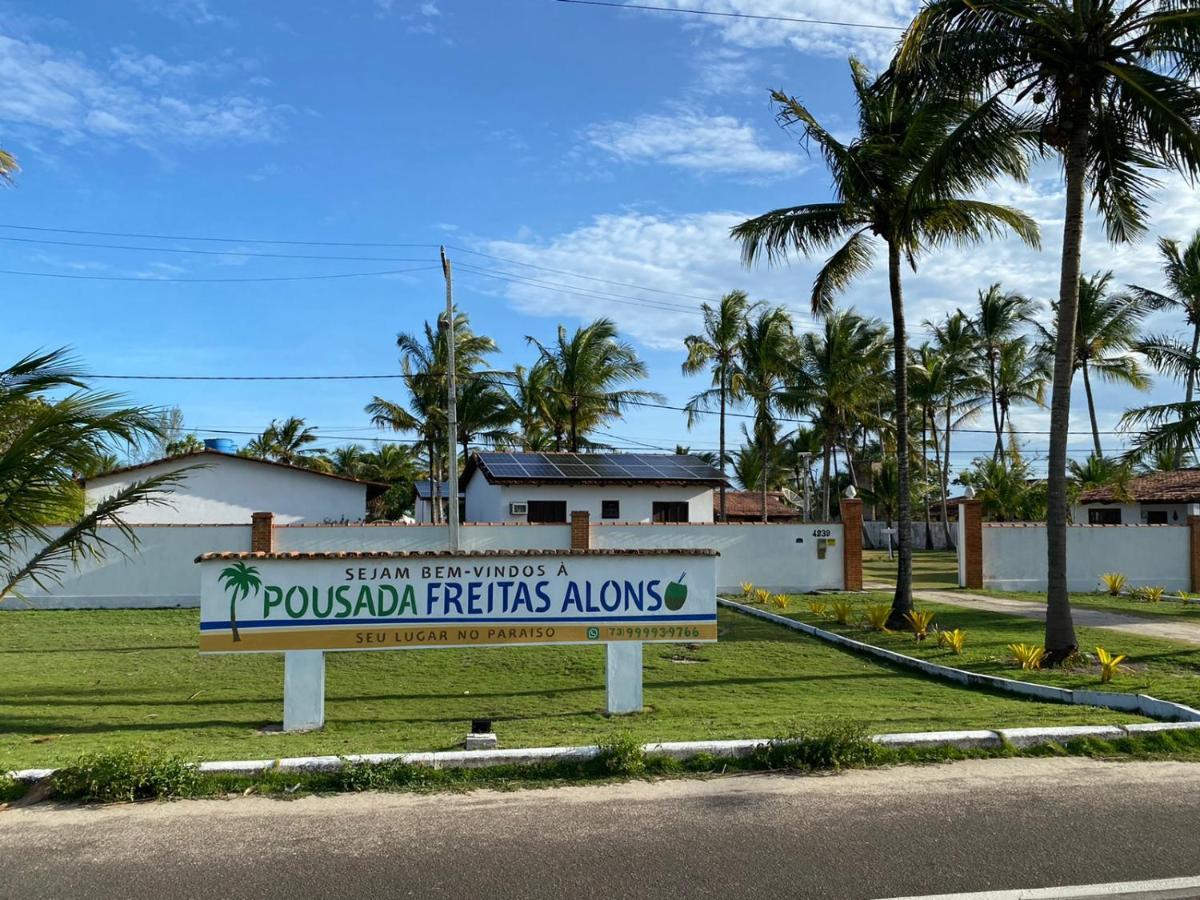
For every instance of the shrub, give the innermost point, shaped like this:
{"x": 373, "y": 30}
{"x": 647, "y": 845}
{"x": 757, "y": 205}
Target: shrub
{"x": 830, "y": 744}
{"x": 953, "y": 639}
{"x": 747, "y": 589}
{"x": 1148, "y": 594}
{"x": 1027, "y": 656}
{"x": 919, "y": 621}
{"x": 877, "y": 615}
{"x": 1114, "y": 583}
{"x": 125, "y": 776}
{"x": 817, "y": 608}
{"x": 623, "y": 755}
{"x": 11, "y": 789}
{"x": 762, "y": 595}
{"x": 381, "y": 776}
{"x": 1109, "y": 664}
{"x": 779, "y": 601}
{"x": 842, "y": 610}
{"x": 1184, "y": 598}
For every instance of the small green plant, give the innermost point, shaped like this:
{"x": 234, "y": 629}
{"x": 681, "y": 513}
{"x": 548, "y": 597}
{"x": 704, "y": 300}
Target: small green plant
{"x": 125, "y": 776}
{"x": 1184, "y": 599}
{"x": 381, "y": 776}
{"x": 953, "y": 639}
{"x": 1027, "y": 656}
{"x": 762, "y": 595}
{"x": 1109, "y": 664}
{"x": 623, "y": 755}
{"x": 1114, "y": 583}
{"x": 919, "y": 621}
{"x": 748, "y": 589}
{"x": 825, "y": 745}
{"x": 842, "y": 610}
{"x": 779, "y": 601}
{"x": 1148, "y": 594}
{"x": 10, "y": 789}
{"x": 876, "y": 615}
{"x": 817, "y": 608}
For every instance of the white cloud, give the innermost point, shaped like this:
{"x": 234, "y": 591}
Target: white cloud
{"x": 689, "y": 140}
{"x": 874, "y": 45}
{"x": 188, "y": 12}
{"x": 62, "y": 93}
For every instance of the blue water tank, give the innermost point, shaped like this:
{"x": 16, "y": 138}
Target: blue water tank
{"x": 220, "y": 445}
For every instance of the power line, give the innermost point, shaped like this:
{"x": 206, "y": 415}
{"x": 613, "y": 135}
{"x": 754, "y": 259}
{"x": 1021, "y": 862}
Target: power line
{"x": 220, "y": 240}
{"x": 213, "y": 252}
{"x": 732, "y": 15}
{"x": 156, "y": 280}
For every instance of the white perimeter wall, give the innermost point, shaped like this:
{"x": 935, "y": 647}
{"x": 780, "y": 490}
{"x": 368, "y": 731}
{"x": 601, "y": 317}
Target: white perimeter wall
{"x": 1014, "y": 556}
{"x": 161, "y": 572}
{"x": 489, "y": 502}
{"x": 231, "y": 488}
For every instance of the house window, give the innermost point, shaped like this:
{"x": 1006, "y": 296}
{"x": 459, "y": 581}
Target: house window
{"x": 547, "y": 511}
{"x": 1104, "y": 517}
{"x": 670, "y": 511}
{"x": 1156, "y": 517}
{"x": 610, "y": 509}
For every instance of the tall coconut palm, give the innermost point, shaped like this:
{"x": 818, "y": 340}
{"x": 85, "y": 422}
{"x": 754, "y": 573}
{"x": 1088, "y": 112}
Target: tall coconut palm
{"x": 540, "y": 411}
{"x": 1113, "y": 83}
{"x": 285, "y": 442}
{"x": 486, "y": 414}
{"x": 906, "y": 179}
{"x": 588, "y": 371}
{"x": 764, "y": 353}
{"x": 1106, "y": 330}
{"x": 1022, "y": 374}
{"x": 999, "y": 317}
{"x": 717, "y": 350}
{"x": 1181, "y": 270}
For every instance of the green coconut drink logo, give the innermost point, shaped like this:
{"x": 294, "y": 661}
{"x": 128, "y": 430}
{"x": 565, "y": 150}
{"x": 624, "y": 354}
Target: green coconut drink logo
{"x": 238, "y": 580}
{"x": 676, "y": 594}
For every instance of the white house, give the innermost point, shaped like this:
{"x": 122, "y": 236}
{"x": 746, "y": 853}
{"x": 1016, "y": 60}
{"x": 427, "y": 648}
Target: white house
{"x": 611, "y": 487}
{"x": 423, "y": 501}
{"x": 1160, "y": 498}
{"x": 219, "y": 488}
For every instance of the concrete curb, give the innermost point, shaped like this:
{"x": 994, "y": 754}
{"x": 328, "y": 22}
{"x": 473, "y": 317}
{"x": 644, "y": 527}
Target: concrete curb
{"x": 1020, "y": 738}
{"x": 1143, "y": 704}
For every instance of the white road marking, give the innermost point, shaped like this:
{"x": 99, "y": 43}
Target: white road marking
{"x": 1156, "y": 889}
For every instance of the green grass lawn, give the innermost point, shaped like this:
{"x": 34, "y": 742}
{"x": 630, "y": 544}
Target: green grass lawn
{"x": 1169, "y": 606}
{"x": 1164, "y": 669}
{"x": 89, "y": 680}
{"x": 932, "y": 569}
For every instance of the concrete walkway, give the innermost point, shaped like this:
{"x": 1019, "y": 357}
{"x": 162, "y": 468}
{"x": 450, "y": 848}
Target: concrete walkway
{"x": 1187, "y": 632}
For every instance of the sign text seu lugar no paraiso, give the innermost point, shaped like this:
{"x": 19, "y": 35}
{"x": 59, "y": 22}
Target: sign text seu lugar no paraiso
{"x": 372, "y": 601}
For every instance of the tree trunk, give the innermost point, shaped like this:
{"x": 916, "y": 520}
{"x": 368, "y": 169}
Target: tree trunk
{"x": 825, "y": 484}
{"x": 1189, "y": 386}
{"x": 722, "y": 445}
{"x": 762, "y": 476}
{"x": 998, "y": 453}
{"x": 1087, "y": 389}
{"x": 233, "y": 617}
{"x": 925, "y": 416}
{"x": 946, "y": 479}
{"x": 574, "y": 446}
{"x": 902, "y": 601}
{"x": 1060, "y": 629}
{"x": 434, "y": 493}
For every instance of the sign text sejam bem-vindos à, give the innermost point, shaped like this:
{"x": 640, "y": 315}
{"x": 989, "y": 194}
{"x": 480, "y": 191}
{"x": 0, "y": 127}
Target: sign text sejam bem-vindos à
{"x": 340, "y": 602}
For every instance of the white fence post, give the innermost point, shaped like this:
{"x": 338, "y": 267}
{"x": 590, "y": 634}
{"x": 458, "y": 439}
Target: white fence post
{"x": 623, "y": 677}
{"x": 303, "y": 690}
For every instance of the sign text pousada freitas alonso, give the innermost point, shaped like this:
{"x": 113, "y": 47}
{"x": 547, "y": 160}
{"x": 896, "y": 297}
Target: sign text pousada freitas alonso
{"x": 254, "y": 603}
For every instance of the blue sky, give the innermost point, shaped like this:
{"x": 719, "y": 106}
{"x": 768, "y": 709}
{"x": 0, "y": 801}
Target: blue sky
{"x": 601, "y": 143}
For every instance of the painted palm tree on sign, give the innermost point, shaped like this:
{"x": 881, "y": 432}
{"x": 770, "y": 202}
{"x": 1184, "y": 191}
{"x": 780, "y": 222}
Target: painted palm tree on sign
{"x": 907, "y": 179}
{"x": 238, "y": 579}
{"x": 1181, "y": 270}
{"x": 717, "y": 350}
{"x": 1113, "y": 83}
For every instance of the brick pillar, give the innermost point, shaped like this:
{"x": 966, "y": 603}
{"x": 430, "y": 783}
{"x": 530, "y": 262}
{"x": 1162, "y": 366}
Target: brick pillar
{"x": 262, "y": 532}
{"x": 852, "y": 541}
{"x": 581, "y": 530}
{"x": 971, "y": 512}
{"x": 1194, "y": 551}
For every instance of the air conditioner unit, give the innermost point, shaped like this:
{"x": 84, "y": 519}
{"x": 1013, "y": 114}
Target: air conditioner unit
{"x": 518, "y": 508}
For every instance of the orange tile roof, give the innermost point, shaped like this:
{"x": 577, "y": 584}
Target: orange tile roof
{"x": 748, "y": 505}
{"x": 1182, "y": 486}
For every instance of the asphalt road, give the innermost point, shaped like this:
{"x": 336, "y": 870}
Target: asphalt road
{"x": 969, "y": 826}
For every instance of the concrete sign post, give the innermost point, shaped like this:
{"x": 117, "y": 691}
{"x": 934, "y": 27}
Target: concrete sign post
{"x": 303, "y": 604}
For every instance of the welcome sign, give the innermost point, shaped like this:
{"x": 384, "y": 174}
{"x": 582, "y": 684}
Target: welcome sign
{"x": 271, "y": 602}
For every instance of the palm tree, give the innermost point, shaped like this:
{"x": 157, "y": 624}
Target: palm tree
{"x": 286, "y": 442}
{"x": 540, "y": 411}
{"x": 905, "y": 179}
{"x": 838, "y": 376}
{"x": 48, "y": 439}
{"x": 1106, "y": 329}
{"x": 1181, "y": 269}
{"x": 1113, "y": 83}
{"x": 764, "y": 353}
{"x": 1022, "y": 372}
{"x": 717, "y": 350}
{"x": 486, "y": 414}
{"x": 587, "y": 371}
{"x": 8, "y": 167}
{"x": 997, "y": 323}
{"x": 238, "y": 579}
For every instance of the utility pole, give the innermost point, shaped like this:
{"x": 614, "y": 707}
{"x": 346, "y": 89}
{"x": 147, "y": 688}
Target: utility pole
{"x": 451, "y": 406}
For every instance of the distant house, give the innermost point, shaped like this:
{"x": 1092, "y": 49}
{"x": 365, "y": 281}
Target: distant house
{"x": 1161, "y": 498}
{"x": 611, "y": 487}
{"x": 746, "y": 506}
{"x": 423, "y": 501}
{"x": 227, "y": 489}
